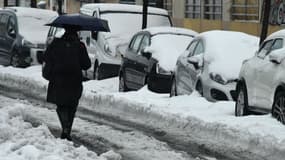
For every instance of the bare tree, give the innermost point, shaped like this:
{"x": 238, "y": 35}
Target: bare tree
{"x": 265, "y": 19}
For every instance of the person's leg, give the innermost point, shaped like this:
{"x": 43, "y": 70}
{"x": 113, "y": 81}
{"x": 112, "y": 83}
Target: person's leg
{"x": 71, "y": 115}
{"x": 63, "y": 115}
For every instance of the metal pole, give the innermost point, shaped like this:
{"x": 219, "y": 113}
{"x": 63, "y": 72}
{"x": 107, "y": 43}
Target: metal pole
{"x": 265, "y": 19}
{"x": 144, "y": 23}
{"x": 59, "y": 10}
{"x": 5, "y": 3}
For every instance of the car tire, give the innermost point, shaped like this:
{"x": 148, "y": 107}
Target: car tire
{"x": 278, "y": 108}
{"x": 15, "y": 60}
{"x": 199, "y": 88}
{"x": 122, "y": 84}
{"x": 241, "y": 106}
{"x": 96, "y": 72}
{"x": 173, "y": 90}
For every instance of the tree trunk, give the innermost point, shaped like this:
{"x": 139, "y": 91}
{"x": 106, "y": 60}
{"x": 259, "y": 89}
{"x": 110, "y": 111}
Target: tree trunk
{"x": 144, "y": 23}
{"x": 33, "y": 3}
{"x": 265, "y": 19}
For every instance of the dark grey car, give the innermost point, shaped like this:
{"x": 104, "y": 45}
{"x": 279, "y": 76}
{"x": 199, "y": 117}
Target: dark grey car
{"x": 22, "y": 35}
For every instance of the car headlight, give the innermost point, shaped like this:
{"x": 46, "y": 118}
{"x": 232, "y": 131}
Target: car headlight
{"x": 107, "y": 49}
{"x": 28, "y": 44}
{"x": 218, "y": 78}
{"x": 160, "y": 70}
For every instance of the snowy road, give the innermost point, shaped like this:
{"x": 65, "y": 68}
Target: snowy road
{"x": 130, "y": 143}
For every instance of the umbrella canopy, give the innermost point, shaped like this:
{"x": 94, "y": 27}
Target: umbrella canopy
{"x": 80, "y": 22}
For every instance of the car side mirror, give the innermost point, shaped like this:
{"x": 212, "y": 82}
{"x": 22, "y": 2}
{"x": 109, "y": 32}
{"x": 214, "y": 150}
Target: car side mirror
{"x": 12, "y": 32}
{"x": 277, "y": 56}
{"x": 196, "y": 61}
{"x": 94, "y": 35}
{"x": 146, "y": 54}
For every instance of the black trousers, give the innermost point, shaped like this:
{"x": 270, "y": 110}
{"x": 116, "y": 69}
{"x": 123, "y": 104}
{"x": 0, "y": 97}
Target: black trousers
{"x": 66, "y": 114}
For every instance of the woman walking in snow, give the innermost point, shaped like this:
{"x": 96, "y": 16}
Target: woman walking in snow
{"x": 64, "y": 60}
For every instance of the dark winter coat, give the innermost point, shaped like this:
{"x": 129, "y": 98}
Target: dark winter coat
{"x": 65, "y": 58}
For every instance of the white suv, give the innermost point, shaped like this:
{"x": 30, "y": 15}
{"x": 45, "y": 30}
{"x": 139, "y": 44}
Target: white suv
{"x": 261, "y": 85}
{"x": 124, "y": 20}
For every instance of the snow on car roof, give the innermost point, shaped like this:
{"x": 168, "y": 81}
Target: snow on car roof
{"x": 166, "y": 48}
{"x": 32, "y": 22}
{"x": 122, "y": 7}
{"x": 280, "y": 33}
{"x": 226, "y": 50}
{"x": 176, "y": 30}
{"x": 25, "y": 11}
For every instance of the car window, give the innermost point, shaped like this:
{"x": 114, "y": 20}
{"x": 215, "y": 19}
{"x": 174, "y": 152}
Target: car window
{"x": 191, "y": 48}
{"x": 265, "y": 48}
{"x": 50, "y": 32}
{"x": 3, "y": 24}
{"x": 136, "y": 43}
{"x": 278, "y": 43}
{"x": 11, "y": 27}
{"x": 145, "y": 42}
{"x": 199, "y": 49}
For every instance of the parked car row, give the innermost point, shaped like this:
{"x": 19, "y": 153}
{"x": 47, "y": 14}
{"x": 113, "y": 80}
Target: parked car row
{"x": 220, "y": 65}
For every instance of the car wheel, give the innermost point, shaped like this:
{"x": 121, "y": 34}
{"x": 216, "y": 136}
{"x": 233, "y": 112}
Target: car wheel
{"x": 278, "y": 108}
{"x": 173, "y": 90}
{"x": 122, "y": 84}
{"x": 15, "y": 59}
{"x": 199, "y": 88}
{"x": 96, "y": 74}
{"x": 241, "y": 106}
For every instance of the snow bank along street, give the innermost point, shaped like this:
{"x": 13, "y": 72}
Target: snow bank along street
{"x": 187, "y": 118}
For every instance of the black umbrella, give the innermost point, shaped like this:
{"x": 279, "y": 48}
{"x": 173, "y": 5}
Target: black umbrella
{"x": 80, "y": 22}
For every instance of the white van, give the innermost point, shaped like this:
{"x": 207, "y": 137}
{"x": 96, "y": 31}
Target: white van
{"x": 124, "y": 21}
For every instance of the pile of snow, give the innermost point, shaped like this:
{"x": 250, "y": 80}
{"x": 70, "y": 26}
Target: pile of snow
{"x": 226, "y": 50}
{"x": 19, "y": 140}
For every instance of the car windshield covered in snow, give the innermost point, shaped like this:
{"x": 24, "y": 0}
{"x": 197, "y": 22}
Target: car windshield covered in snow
{"x": 118, "y": 22}
{"x": 35, "y": 30}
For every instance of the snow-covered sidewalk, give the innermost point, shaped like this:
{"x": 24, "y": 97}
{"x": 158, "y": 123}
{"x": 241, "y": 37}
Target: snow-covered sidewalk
{"x": 190, "y": 118}
{"x": 19, "y": 140}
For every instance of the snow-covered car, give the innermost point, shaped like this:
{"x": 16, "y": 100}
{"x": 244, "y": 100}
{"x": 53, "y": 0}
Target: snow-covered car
{"x": 211, "y": 64}
{"x": 23, "y": 34}
{"x": 124, "y": 21}
{"x": 151, "y": 56}
{"x": 261, "y": 85}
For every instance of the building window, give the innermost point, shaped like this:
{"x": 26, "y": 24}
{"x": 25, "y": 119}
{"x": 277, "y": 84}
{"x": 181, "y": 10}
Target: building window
{"x": 193, "y": 9}
{"x": 213, "y": 9}
{"x": 245, "y": 10}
